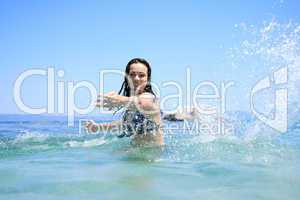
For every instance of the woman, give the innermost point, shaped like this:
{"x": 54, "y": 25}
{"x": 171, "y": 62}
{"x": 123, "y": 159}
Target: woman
{"x": 141, "y": 118}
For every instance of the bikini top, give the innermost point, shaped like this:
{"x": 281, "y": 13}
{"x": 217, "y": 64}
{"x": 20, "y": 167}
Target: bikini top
{"x": 135, "y": 122}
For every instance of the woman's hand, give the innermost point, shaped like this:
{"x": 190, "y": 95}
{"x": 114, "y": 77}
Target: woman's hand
{"x": 112, "y": 97}
{"x": 111, "y": 100}
{"x": 107, "y": 100}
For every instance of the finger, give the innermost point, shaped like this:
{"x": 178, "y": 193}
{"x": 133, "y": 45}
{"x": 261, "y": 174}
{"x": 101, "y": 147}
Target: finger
{"x": 100, "y": 102}
{"x": 107, "y": 96}
{"x": 111, "y": 93}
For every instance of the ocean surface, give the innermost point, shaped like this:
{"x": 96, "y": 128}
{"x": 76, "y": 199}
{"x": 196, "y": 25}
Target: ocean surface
{"x": 42, "y": 158}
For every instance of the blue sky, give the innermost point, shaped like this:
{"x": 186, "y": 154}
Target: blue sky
{"x": 83, "y": 37}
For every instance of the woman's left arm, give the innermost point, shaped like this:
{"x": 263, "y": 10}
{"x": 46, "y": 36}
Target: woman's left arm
{"x": 114, "y": 100}
{"x": 145, "y": 102}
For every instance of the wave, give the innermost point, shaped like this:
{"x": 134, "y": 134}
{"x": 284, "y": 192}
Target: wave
{"x": 178, "y": 146}
{"x": 36, "y": 142}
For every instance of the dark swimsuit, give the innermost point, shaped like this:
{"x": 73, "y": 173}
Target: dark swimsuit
{"x": 134, "y": 122}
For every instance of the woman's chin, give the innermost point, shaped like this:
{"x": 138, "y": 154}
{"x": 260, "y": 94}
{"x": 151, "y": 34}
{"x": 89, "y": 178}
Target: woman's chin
{"x": 137, "y": 90}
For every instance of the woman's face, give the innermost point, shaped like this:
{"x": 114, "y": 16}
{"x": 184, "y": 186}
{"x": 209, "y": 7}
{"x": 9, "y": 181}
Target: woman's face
{"x": 138, "y": 73}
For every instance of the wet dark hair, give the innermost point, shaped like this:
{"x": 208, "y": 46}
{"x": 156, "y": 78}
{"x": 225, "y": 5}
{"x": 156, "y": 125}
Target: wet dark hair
{"x": 125, "y": 88}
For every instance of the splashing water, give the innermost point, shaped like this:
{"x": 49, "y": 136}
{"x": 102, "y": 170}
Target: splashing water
{"x": 266, "y": 49}
{"x": 48, "y": 160}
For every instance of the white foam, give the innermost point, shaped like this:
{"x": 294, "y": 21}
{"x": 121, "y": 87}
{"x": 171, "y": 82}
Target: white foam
{"x": 86, "y": 143}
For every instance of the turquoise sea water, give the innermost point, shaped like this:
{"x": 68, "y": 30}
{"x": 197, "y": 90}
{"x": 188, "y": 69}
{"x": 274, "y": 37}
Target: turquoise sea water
{"x": 41, "y": 158}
